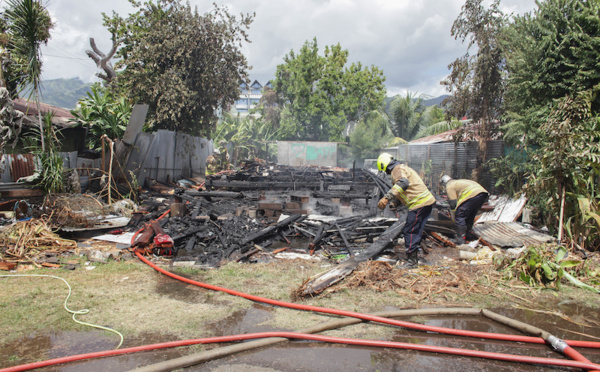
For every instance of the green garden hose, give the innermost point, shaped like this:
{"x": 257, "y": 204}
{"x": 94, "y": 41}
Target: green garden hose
{"x": 74, "y": 312}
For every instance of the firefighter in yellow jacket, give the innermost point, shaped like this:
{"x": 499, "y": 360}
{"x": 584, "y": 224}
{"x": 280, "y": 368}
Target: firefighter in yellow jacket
{"x": 409, "y": 190}
{"x": 465, "y": 198}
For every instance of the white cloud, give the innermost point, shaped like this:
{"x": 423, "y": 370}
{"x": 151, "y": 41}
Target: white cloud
{"x": 409, "y": 40}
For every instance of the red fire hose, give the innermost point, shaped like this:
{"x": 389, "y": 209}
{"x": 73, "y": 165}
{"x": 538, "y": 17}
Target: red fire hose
{"x": 367, "y": 317}
{"x": 563, "y": 346}
{"x": 303, "y": 336}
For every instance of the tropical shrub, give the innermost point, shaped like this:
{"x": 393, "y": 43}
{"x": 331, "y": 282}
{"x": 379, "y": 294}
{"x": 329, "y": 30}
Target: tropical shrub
{"x": 102, "y": 113}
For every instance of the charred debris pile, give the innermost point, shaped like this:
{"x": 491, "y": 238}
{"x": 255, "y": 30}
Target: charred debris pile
{"x": 261, "y": 210}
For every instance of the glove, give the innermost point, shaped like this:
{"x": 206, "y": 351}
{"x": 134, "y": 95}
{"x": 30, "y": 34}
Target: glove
{"x": 452, "y": 203}
{"x": 382, "y": 203}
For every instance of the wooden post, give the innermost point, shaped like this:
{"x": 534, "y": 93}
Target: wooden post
{"x": 103, "y": 155}
{"x": 562, "y": 214}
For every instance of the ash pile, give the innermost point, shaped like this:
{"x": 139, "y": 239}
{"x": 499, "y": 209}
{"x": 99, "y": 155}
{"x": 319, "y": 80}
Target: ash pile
{"x": 252, "y": 214}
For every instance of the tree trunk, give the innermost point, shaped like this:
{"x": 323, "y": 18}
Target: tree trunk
{"x": 41, "y": 124}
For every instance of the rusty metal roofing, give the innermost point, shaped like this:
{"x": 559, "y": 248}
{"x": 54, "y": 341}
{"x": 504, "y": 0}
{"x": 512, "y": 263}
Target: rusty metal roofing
{"x": 21, "y": 165}
{"x": 510, "y": 234}
{"x": 436, "y": 138}
{"x": 61, "y": 116}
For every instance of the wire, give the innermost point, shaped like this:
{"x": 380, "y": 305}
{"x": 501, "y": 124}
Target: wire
{"x": 74, "y": 312}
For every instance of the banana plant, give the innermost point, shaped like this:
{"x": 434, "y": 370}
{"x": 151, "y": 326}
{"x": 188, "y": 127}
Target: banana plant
{"x": 102, "y": 113}
{"x": 545, "y": 265}
{"x": 245, "y": 133}
{"x": 583, "y": 225}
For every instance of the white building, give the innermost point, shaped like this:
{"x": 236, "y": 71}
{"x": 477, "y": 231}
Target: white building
{"x": 250, "y": 96}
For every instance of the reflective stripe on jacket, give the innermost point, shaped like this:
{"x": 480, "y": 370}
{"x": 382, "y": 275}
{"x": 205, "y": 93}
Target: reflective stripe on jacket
{"x": 416, "y": 195}
{"x": 463, "y": 190}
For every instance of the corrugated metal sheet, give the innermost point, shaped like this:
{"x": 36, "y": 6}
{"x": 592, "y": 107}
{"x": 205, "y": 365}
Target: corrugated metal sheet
{"x": 510, "y": 234}
{"x": 137, "y": 157}
{"x": 15, "y": 166}
{"x": 506, "y": 209}
{"x": 166, "y": 155}
{"x": 456, "y": 159}
{"x": 495, "y": 149}
{"x": 21, "y": 165}
{"x": 60, "y": 116}
{"x": 436, "y": 138}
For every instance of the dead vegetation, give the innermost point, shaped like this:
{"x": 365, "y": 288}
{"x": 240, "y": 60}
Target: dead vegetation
{"x": 428, "y": 284}
{"x": 73, "y": 210}
{"x": 24, "y": 240}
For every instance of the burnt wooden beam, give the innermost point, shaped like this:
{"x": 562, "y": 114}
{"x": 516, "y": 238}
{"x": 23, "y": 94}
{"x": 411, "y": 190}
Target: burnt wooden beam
{"x": 265, "y": 185}
{"x": 319, "y": 283}
{"x": 189, "y": 246}
{"x": 343, "y": 236}
{"x": 271, "y": 229}
{"x": 189, "y": 232}
{"x": 215, "y": 194}
{"x": 304, "y": 232}
{"x": 343, "y": 195}
{"x": 257, "y": 248}
{"x": 318, "y": 237}
{"x": 381, "y": 186}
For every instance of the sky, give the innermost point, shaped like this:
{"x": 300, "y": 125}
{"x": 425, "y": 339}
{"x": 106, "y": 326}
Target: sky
{"x": 409, "y": 40}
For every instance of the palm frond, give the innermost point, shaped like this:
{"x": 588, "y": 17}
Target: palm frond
{"x": 439, "y": 127}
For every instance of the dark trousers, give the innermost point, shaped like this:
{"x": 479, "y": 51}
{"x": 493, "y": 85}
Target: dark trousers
{"x": 466, "y": 212}
{"x": 413, "y": 229}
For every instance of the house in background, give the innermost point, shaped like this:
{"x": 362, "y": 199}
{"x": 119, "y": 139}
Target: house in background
{"x": 250, "y": 96}
{"x": 72, "y": 137}
{"x": 19, "y": 161}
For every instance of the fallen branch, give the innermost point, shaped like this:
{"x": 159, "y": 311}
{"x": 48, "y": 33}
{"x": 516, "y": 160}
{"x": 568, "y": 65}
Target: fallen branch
{"x": 317, "y": 284}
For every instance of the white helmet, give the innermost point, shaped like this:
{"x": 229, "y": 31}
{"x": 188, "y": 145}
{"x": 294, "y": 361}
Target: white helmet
{"x": 445, "y": 179}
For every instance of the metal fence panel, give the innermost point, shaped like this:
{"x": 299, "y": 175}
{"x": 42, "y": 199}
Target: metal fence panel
{"x": 304, "y": 153}
{"x": 455, "y": 159}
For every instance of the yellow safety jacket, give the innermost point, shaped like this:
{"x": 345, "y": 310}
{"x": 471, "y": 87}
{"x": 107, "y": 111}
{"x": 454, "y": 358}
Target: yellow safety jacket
{"x": 463, "y": 190}
{"x": 416, "y": 195}
{"x": 211, "y": 165}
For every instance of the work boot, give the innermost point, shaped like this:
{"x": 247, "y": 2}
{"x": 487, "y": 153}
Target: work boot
{"x": 412, "y": 260}
{"x": 460, "y": 239}
{"x": 469, "y": 234}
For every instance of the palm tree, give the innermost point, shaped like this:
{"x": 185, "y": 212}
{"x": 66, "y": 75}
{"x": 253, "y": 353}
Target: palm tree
{"x": 439, "y": 127}
{"x": 410, "y": 115}
{"x": 29, "y": 25}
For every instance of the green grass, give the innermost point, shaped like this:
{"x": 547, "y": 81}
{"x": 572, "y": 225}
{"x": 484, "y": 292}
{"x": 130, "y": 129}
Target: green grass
{"x": 134, "y": 299}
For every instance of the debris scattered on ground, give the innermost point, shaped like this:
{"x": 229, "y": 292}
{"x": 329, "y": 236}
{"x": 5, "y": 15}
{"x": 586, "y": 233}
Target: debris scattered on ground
{"x": 258, "y": 213}
{"x": 510, "y": 234}
{"x": 425, "y": 284}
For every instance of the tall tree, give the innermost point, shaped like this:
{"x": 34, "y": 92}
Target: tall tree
{"x": 553, "y": 103}
{"x": 269, "y": 108}
{"x": 551, "y": 53}
{"x": 28, "y": 26}
{"x": 476, "y": 81}
{"x": 320, "y": 95}
{"x": 185, "y": 65}
{"x": 369, "y": 135}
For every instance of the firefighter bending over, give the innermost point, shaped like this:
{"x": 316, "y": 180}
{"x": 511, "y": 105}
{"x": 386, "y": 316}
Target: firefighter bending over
{"x": 465, "y": 198}
{"x": 408, "y": 189}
